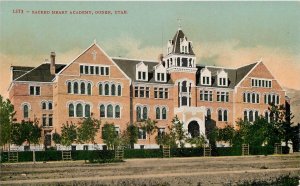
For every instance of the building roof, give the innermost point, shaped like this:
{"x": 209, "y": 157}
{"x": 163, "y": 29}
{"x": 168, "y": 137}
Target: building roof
{"x": 234, "y": 75}
{"x": 40, "y": 73}
{"x": 129, "y": 67}
{"x": 176, "y": 43}
{"x": 18, "y": 71}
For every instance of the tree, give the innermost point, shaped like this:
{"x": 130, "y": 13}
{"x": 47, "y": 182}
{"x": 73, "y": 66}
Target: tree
{"x": 7, "y": 114}
{"x": 68, "y": 134}
{"x": 149, "y": 126}
{"x": 88, "y": 129}
{"x": 110, "y": 136}
{"x": 177, "y": 132}
{"x": 56, "y": 138}
{"x": 198, "y": 141}
{"x": 226, "y": 134}
{"x": 130, "y": 136}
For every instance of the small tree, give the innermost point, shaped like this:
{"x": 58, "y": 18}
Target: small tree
{"x": 130, "y": 136}
{"x": 198, "y": 141}
{"x": 110, "y": 136}
{"x": 68, "y": 134}
{"x": 149, "y": 126}
{"x": 226, "y": 134}
{"x": 88, "y": 129}
{"x": 7, "y": 114}
{"x": 56, "y": 138}
{"x": 177, "y": 132}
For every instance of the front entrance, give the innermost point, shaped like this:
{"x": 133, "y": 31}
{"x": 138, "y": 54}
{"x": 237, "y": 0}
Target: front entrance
{"x": 193, "y": 129}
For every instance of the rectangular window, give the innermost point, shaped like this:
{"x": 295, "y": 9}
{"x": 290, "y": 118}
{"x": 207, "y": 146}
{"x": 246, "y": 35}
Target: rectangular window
{"x": 155, "y": 92}
{"x": 160, "y": 132}
{"x": 101, "y": 70}
{"x": 139, "y": 75}
{"x": 44, "y": 120}
{"x": 147, "y": 92}
{"x": 50, "y": 121}
{"x": 166, "y": 93}
{"x": 142, "y": 92}
{"x": 158, "y": 76}
{"x": 106, "y": 71}
{"x": 144, "y": 76}
{"x": 223, "y": 96}
{"x": 92, "y": 69}
{"x": 97, "y": 70}
{"x": 163, "y": 77}
{"x": 142, "y": 134}
{"x": 81, "y": 69}
{"x": 86, "y": 69}
{"x": 205, "y": 95}
{"x": 35, "y": 90}
{"x": 136, "y": 91}
{"x": 31, "y": 90}
{"x": 161, "y": 93}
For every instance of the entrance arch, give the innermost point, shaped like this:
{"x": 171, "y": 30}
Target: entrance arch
{"x": 194, "y": 129}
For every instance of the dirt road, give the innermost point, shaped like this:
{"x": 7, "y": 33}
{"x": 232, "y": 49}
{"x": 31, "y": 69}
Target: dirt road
{"x": 173, "y": 171}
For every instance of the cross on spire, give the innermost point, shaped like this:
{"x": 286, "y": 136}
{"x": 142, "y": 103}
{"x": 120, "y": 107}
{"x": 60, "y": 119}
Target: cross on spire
{"x": 179, "y": 23}
{"x": 94, "y": 53}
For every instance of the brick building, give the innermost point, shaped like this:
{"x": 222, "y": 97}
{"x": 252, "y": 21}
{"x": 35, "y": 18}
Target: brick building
{"x": 124, "y": 91}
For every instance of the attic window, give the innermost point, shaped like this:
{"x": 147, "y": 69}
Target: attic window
{"x": 222, "y": 78}
{"x": 141, "y": 75}
{"x": 222, "y": 81}
{"x": 160, "y": 77}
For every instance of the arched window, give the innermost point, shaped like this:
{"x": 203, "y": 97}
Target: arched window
{"x": 145, "y": 113}
{"x": 269, "y": 98}
{"x": 257, "y": 98}
{"x": 244, "y": 97}
{"x": 50, "y": 106}
{"x": 113, "y": 90}
{"x": 183, "y": 87}
{"x": 225, "y": 115}
{"x": 248, "y": 97}
{"x": 75, "y": 88}
{"x": 69, "y": 87}
{"x": 250, "y": 115}
{"x": 25, "y": 111}
{"x": 277, "y": 100}
{"x": 79, "y": 110}
{"x": 89, "y": 89}
{"x": 102, "y": 111}
{"x": 256, "y": 115}
{"x": 157, "y": 111}
{"x": 253, "y": 98}
{"x": 109, "y": 111}
{"x": 119, "y": 90}
{"x": 265, "y": 96}
{"x": 82, "y": 88}
{"x": 274, "y": 99}
{"x": 106, "y": 87}
{"x": 208, "y": 114}
{"x": 164, "y": 113}
{"x": 138, "y": 113}
{"x": 87, "y": 110}
{"x": 219, "y": 115}
{"x": 245, "y": 115}
{"x": 71, "y": 110}
{"x": 44, "y": 106}
{"x": 267, "y": 115}
{"x": 117, "y": 111}
{"x": 100, "y": 89}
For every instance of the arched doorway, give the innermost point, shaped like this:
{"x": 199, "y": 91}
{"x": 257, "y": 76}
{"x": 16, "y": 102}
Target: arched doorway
{"x": 193, "y": 129}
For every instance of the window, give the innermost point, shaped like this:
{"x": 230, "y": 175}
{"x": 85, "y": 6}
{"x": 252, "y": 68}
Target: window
{"x": 82, "y": 88}
{"x": 44, "y": 107}
{"x": 208, "y": 114}
{"x": 160, "y": 132}
{"x": 35, "y": 90}
{"x": 141, "y": 92}
{"x": 100, "y": 89}
{"x": 71, "y": 110}
{"x": 113, "y": 90}
{"x": 142, "y": 134}
{"x": 79, "y": 110}
{"x": 94, "y": 70}
{"x": 89, "y": 89}
{"x": 109, "y": 111}
{"x": 50, "y": 105}
{"x": 161, "y": 93}
{"x": 138, "y": 113}
{"x": 160, "y": 77}
{"x": 245, "y": 115}
{"x": 206, "y": 95}
{"x": 117, "y": 111}
{"x": 157, "y": 113}
{"x": 222, "y": 115}
{"x": 25, "y": 111}
{"x": 50, "y": 120}
{"x": 250, "y": 97}
{"x": 75, "y": 88}
{"x": 164, "y": 113}
{"x": 261, "y": 83}
{"x": 44, "y": 120}
{"x": 102, "y": 111}
{"x": 106, "y": 87}
{"x": 223, "y": 96}
{"x": 222, "y": 82}
{"x": 87, "y": 110}
{"x": 119, "y": 90}
{"x": 271, "y": 98}
{"x": 141, "y": 113}
{"x": 69, "y": 87}
{"x": 145, "y": 113}
{"x": 250, "y": 115}
{"x": 184, "y": 87}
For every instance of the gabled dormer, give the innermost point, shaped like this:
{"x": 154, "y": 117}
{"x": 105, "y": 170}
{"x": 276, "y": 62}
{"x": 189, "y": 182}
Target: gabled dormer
{"x": 160, "y": 73}
{"x": 184, "y": 45}
{"x": 141, "y": 72}
{"x": 205, "y": 77}
{"x": 222, "y": 78}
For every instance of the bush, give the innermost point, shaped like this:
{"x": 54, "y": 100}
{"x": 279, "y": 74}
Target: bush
{"x": 142, "y": 153}
{"x": 101, "y": 156}
{"x": 228, "y": 151}
{"x": 186, "y": 152}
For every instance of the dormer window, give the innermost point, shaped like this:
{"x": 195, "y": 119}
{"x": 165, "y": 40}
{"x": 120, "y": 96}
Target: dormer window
{"x": 222, "y": 78}
{"x": 184, "y": 45}
{"x": 142, "y": 72}
{"x": 205, "y": 77}
{"x": 160, "y": 73}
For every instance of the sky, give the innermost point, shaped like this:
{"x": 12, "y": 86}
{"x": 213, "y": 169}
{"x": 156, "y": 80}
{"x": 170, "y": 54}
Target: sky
{"x": 229, "y": 34}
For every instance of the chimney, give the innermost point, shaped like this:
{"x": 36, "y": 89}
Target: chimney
{"x": 52, "y": 63}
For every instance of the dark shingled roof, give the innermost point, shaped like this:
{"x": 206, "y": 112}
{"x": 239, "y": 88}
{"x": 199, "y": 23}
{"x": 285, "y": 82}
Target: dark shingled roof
{"x": 128, "y": 66}
{"x": 41, "y": 73}
{"x": 18, "y": 71}
{"x": 176, "y": 42}
{"x": 234, "y": 75}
